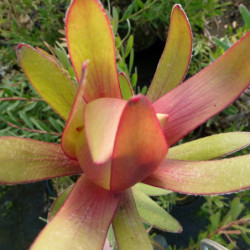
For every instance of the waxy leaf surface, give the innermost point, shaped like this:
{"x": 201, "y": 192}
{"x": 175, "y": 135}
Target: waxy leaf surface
{"x": 129, "y": 231}
{"x": 54, "y": 85}
{"x": 206, "y": 93}
{"x": 203, "y": 177}
{"x": 25, "y": 160}
{"x": 210, "y": 147}
{"x": 153, "y": 214}
{"x": 117, "y": 134}
{"x": 85, "y": 217}
{"x": 176, "y": 56}
{"x": 89, "y": 37}
{"x": 139, "y": 146}
{"x": 96, "y": 142}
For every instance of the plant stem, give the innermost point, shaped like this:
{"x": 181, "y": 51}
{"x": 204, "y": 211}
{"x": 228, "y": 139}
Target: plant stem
{"x": 230, "y": 224}
{"x": 20, "y": 99}
{"x": 34, "y": 130}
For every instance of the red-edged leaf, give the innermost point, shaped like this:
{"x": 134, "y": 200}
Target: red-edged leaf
{"x": 139, "y": 146}
{"x": 82, "y": 221}
{"x": 25, "y": 160}
{"x": 210, "y": 147}
{"x": 48, "y": 79}
{"x": 153, "y": 214}
{"x": 75, "y": 122}
{"x": 89, "y": 37}
{"x": 118, "y": 133}
{"x": 128, "y": 227}
{"x": 206, "y": 93}
{"x": 101, "y": 119}
{"x": 176, "y": 56}
{"x": 203, "y": 177}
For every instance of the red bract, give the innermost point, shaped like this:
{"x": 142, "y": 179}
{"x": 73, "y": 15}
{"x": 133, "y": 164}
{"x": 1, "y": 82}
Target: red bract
{"x": 114, "y": 143}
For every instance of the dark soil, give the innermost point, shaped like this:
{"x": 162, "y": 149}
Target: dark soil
{"x": 20, "y": 209}
{"x": 218, "y": 26}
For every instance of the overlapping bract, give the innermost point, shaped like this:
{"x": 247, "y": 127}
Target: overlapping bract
{"x": 115, "y": 143}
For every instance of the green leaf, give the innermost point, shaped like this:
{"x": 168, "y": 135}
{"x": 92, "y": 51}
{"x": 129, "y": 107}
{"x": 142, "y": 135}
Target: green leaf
{"x": 127, "y": 225}
{"x": 62, "y": 56}
{"x": 55, "y": 124}
{"x": 140, "y": 3}
{"x": 215, "y": 220}
{"x": 129, "y": 10}
{"x": 26, "y": 160}
{"x": 26, "y": 119}
{"x": 144, "y": 90}
{"x": 175, "y": 58}
{"x": 221, "y": 44}
{"x": 153, "y": 214}
{"x": 210, "y": 147}
{"x": 246, "y": 238}
{"x": 245, "y": 15}
{"x": 30, "y": 107}
{"x": 125, "y": 86}
{"x": 202, "y": 177}
{"x": 39, "y": 124}
{"x": 236, "y": 208}
{"x": 50, "y": 81}
{"x": 129, "y": 45}
{"x": 134, "y": 79}
{"x": 131, "y": 61}
{"x": 115, "y": 20}
{"x": 150, "y": 190}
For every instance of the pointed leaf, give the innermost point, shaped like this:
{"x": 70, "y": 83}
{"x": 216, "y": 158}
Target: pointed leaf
{"x": 101, "y": 121}
{"x": 128, "y": 227}
{"x": 206, "y": 93}
{"x": 50, "y": 81}
{"x": 176, "y": 56}
{"x": 118, "y": 132}
{"x": 236, "y": 208}
{"x": 203, "y": 177}
{"x": 126, "y": 89}
{"x": 139, "y": 145}
{"x": 162, "y": 118}
{"x": 57, "y": 204}
{"x": 95, "y": 143}
{"x": 150, "y": 190}
{"x": 245, "y": 15}
{"x": 89, "y": 37}
{"x": 210, "y": 147}
{"x": 153, "y": 214}
{"x": 75, "y": 122}
{"x": 25, "y": 160}
{"x": 82, "y": 221}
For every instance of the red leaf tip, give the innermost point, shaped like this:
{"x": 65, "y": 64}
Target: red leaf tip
{"x": 177, "y": 6}
{"x": 85, "y": 65}
{"x": 19, "y": 46}
{"x": 133, "y": 100}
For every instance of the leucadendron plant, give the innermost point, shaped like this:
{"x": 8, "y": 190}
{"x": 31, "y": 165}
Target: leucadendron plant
{"x": 115, "y": 140}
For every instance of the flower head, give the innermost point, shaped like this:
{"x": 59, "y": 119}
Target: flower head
{"x": 115, "y": 143}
